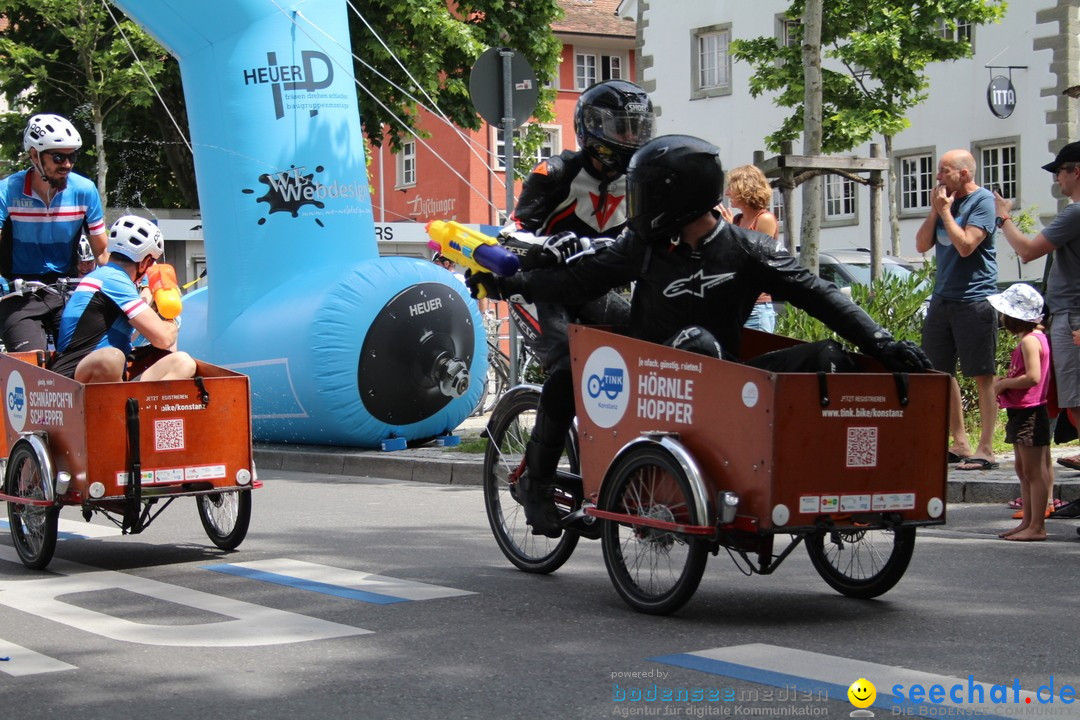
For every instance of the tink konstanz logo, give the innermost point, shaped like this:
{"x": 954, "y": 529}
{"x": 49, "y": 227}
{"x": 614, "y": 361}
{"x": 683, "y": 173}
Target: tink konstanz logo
{"x": 307, "y": 76}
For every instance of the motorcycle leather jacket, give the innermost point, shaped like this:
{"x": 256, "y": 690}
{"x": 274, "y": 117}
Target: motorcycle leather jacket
{"x": 714, "y": 286}
{"x": 565, "y": 193}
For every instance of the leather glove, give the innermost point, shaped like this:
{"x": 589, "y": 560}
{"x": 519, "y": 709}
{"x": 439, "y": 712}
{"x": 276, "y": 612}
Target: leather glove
{"x": 903, "y": 356}
{"x": 485, "y": 285}
{"x": 565, "y": 246}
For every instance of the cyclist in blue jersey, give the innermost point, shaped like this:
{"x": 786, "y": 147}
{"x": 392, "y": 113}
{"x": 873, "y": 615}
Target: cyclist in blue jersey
{"x": 95, "y": 331}
{"x": 44, "y": 210}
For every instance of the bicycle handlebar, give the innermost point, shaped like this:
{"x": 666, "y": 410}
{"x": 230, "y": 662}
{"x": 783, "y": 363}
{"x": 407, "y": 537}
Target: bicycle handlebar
{"x": 20, "y": 287}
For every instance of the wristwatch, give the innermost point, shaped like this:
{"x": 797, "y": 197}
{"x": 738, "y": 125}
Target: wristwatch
{"x": 999, "y": 221}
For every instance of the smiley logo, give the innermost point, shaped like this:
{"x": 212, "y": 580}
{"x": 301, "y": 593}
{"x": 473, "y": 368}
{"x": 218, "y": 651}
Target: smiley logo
{"x": 862, "y": 693}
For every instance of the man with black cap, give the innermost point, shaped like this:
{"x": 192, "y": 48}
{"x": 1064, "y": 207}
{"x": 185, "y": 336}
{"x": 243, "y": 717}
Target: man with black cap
{"x": 1062, "y": 238}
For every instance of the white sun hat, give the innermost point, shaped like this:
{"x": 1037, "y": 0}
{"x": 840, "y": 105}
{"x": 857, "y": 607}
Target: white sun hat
{"x": 1020, "y": 301}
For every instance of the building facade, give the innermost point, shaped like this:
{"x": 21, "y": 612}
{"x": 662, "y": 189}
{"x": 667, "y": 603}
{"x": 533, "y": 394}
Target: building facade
{"x": 458, "y": 175}
{"x": 697, "y": 88}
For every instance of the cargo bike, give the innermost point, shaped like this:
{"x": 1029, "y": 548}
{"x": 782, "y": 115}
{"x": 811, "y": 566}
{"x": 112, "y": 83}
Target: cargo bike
{"x": 675, "y": 456}
{"x": 122, "y": 450}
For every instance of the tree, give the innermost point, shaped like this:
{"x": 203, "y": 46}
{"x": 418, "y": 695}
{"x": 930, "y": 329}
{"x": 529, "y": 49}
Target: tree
{"x": 438, "y": 46}
{"x": 882, "y": 48}
{"x": 72, "y": 54}
{"x": 67, "y": 56}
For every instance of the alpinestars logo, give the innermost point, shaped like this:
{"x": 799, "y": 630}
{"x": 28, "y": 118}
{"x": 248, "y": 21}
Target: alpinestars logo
{"x": 696, "y": 284}
{"x": 292, "y": 78}
{"x": 604, "y": 212}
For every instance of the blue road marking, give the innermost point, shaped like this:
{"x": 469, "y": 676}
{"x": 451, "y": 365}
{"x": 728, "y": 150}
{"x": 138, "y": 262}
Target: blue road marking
{"x": 303, "y": 584}
{"x": 817, "y": 687}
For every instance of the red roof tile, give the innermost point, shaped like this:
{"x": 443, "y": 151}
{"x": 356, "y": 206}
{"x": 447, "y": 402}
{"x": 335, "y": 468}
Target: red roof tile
{"x": 592, "y": 17}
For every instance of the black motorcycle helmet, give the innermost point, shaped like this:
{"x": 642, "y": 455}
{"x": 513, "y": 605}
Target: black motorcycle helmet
{"x": 672, "y": 180}
{"x": 613, "y": 119}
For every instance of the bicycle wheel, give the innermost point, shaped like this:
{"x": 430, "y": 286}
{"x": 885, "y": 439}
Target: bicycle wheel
{"x": 655, "y": 571}
{"x": 861, "y": 563}
{"x": 504, "y": 459}
{"x": 33, "y": 528}
{"x": 225, "y": 517}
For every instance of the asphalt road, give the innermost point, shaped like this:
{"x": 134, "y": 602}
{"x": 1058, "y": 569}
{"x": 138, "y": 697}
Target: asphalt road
{"x": 311, "y": 618}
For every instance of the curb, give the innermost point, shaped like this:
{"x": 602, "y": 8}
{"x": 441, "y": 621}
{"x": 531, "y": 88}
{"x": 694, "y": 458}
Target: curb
{"x": 446, "y": 467}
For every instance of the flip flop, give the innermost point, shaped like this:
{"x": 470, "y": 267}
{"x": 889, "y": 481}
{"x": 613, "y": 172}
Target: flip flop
{"x": 1073, "y": 462}
{"x": 979, "y": 463}
{"x": 1017, "y": 504}
{"x": 952, "y": 458}
{"x": 1019, "y": 514}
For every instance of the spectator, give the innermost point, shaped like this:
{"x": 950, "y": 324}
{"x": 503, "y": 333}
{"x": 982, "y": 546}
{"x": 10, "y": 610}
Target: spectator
{"x": 1022, "y": 392}
{"x": 1062, "y": 238}
{"x": 751, "y": 195}
{"x": 960, "y": 323}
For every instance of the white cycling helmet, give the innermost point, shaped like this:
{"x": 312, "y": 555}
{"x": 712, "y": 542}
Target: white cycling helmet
{"x": 50, "y": 132}
{"x": 136, "y": 237}
{"x": 86, "y": 253}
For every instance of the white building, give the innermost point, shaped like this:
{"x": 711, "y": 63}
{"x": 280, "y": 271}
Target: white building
{"x": 1035, "y": 45}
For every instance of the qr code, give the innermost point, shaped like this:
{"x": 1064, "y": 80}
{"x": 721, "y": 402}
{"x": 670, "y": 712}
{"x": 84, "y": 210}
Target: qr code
{"x": 862, "y": 447}
{"x": 169, "y": 434}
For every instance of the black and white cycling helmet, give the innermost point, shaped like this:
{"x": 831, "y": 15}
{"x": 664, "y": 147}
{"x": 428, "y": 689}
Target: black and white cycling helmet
{"x": 672, "y": 180}
{"x": 50, "y": 132}
{"x": 135, "y": 238}
{"x": 86, "y": 253}
{"x": 613, "y": 119}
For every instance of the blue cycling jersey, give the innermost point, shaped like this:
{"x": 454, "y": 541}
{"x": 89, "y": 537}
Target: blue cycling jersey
{"x": 97, "y": 315}
{"x": 43, "y": 238}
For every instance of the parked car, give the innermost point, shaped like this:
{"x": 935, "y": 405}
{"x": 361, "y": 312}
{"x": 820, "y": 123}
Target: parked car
{"x": 852, "y": 267}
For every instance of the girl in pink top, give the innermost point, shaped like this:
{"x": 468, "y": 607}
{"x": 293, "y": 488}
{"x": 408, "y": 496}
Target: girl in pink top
{"x": 1023, "y": 395}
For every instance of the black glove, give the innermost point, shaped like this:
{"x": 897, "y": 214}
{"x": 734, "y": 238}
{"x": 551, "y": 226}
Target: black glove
{"x": 566, "y": 245}
{"x": 903, "y": 356}
{"x": 485, "y": 285}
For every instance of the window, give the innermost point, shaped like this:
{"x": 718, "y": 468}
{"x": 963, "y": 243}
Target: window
{"x": 406, "y": 164}
{"x": 778, "y": 207}
{"x": 917, "y": 177}
{"x": 593, "y": 67}
{"x": 548, "y": 148}
{"x": 997, "y": 168}
{"x": 786, "y": 31}
{"x": 839, "y": 198}
{"x": 710, "y": 61}
{"x": 959, "y": 30}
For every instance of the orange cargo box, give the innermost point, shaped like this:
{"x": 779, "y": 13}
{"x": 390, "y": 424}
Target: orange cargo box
{"x": 798, "y": 448}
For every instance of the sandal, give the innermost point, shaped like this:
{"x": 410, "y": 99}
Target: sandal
{"x": 1019, "y": 514}
{"x": 1017, "y": 504}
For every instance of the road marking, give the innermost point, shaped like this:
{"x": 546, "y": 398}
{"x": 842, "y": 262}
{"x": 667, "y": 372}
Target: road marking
{"x": 75, "y": 530}
{"x": 351, "y": 584}
{"x": 241, "y": 624}
{"x": 820, "y": 674}
{"x": 21, "y": 661}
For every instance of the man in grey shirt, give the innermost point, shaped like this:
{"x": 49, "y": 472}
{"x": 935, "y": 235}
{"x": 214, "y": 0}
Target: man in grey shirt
{"x": 1062, "y": 238}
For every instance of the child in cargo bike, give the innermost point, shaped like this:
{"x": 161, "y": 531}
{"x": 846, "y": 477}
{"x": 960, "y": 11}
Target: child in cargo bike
{"x": 95, "y": 330}
{"x": 697, "y": 278}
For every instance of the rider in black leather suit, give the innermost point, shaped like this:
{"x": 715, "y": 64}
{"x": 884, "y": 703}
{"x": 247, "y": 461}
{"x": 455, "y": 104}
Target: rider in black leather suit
{"x": 693, "y": 269}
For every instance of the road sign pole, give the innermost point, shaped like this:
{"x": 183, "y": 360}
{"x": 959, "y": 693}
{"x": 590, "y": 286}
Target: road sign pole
{"x": 507, "y": 56}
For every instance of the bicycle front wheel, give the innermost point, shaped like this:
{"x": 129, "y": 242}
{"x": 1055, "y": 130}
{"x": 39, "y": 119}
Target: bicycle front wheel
{"x": 504, "y": 460}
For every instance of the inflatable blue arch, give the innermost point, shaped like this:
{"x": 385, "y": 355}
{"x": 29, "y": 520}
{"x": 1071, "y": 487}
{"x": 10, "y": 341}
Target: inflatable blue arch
{"x": 342, "y": 346}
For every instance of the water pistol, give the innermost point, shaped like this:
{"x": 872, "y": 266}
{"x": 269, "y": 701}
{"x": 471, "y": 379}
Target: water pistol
{"x": 471, "y": 249}
{"x": 166, "y": 290}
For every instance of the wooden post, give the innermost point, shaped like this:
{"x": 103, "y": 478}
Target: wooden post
{"x": 787, "y": 190}
{"x": 875, "y": 216}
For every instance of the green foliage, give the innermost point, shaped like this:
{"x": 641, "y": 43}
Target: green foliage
{"x": 893, "y": 302}
{"x": 67, "y": 56}
{"x": 883, "y": 48}
{"x": 439, "y": 48}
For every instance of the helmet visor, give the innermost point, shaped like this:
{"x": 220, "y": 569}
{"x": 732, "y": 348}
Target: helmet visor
{"x": 627, "y": 128}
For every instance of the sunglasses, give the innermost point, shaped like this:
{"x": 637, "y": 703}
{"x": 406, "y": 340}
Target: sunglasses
{"x": 60, "y": 158}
